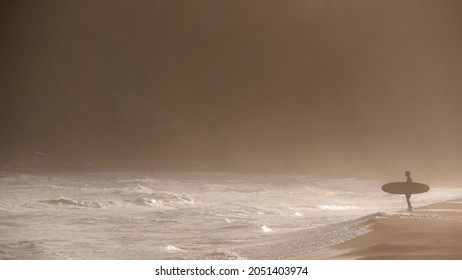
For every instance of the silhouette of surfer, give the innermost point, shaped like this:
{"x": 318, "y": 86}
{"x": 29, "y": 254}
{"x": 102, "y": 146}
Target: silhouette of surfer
{"x": 408, "y": 195}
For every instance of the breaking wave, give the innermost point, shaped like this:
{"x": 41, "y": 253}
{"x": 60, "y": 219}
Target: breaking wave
{"x": 139, "y": 189}
{"x": 164, "y": 199}
{"x": 79, "y": 203}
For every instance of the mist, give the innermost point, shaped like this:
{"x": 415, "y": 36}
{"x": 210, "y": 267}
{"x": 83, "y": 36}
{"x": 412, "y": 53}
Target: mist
{"x": 345, "y": 88}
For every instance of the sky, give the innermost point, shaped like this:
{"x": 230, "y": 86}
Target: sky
{"x": 346, "y": 87}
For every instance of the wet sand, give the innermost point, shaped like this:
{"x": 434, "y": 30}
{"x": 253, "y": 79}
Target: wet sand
{"x": 431, "y": 232}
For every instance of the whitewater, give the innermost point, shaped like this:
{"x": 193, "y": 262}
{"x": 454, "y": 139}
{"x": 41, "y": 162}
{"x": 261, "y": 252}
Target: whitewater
{"x": 135, "y": 215}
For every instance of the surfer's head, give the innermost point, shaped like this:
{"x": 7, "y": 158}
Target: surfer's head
{"x": 408, "y": 173}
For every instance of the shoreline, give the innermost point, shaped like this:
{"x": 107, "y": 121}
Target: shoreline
{"x": 431, "y": 232}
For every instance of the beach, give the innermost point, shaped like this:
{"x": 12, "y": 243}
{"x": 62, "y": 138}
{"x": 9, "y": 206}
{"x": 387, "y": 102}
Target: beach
{"x": 431, "y": 232}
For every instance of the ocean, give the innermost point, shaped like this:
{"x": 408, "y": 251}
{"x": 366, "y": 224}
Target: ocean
{"x": 136, "y": 215}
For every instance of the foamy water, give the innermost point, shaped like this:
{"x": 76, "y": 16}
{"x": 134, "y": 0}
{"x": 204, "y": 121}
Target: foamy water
{"x": 186, "y": 215}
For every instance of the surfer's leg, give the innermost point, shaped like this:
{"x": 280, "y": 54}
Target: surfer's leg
{"x": 408, "y": 200}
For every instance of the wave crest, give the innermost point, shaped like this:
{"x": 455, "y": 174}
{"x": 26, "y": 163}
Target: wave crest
{"x": 139, "y": 189}
{"x": 164, "y": 199}
{"x": 79, "y": 203}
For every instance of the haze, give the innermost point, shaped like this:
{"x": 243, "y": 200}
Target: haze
{"x": 346, "y": 88}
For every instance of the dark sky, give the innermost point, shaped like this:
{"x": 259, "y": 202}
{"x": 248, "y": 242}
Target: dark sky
{"x": 347, "y": 85}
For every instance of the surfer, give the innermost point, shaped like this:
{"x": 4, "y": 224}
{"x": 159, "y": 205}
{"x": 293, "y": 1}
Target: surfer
{"x": 407, "y": 188}
{"x": 408, "y": 195}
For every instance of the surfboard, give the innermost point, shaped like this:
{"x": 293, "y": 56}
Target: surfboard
{"x": 405, "y": 188}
